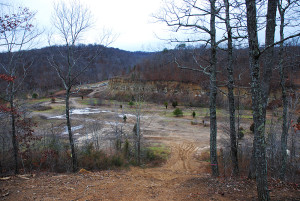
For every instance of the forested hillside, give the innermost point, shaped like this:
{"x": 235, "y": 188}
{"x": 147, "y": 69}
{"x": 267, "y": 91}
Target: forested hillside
{"x": 103, "y": 62}
{"x": 166, "y": 66}
{"x": 158, "y": 66}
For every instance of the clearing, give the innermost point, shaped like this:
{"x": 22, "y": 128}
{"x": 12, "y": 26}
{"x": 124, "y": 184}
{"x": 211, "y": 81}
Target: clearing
{"x": 182, "y": 177}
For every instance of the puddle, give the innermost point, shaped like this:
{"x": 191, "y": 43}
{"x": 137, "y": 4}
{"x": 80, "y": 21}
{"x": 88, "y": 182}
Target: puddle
{"x": 74, "y": 128}
{"x": 85, "y": 111}
{"x": 81, "y": 111}
{"x": 58, "y": 117}
{"x": 127, "y": 115}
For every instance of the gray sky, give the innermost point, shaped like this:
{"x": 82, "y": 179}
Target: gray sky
{"x": 130, "y": 19}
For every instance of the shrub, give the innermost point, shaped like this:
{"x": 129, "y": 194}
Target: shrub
{"x": 53, "y": 100}
{"x": 241, "y": 133}
{"x": 126, "y": 148}
{"x": 157, "y": 153}
{"x": 194, "y": 114}
{"x": 178, "y": 112}
{"x": 166, "y": 105}
{"x": 252, "y": 128}
{"x": 131, "y": 103}
{"x": 174, "y": 104}
{"x": 35, "y": 95}
{"x": 117, "y": 160}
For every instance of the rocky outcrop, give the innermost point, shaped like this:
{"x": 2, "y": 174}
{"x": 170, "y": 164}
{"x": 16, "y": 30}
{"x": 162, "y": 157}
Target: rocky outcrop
{"x": 165, "y": 87}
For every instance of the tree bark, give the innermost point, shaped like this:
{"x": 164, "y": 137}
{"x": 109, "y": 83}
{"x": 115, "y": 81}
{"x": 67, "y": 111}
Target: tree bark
{"x": 230, "y": 86}
{"x": 257, "y": 104}
{"x": 69, "y": 127}
{"x": 267, "y": 72}
{"x": 14, "y": 135}
{"x": 269, "y": 53}
{"x": 284, "y": 134}
{"x": 213, "y": 92}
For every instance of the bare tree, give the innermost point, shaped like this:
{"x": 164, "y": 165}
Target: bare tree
{"x": 230, "y": 86}
{"x": 257, "y": 103}
{"x": 17, "y": 32}
{"x": 284, "y": 6}
{"x": 71, "y": 21}
{"x": 192, "y": 16}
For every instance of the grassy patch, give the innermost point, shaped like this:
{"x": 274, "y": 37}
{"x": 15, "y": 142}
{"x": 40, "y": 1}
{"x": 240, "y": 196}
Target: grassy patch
{"x": 246, "y": 116}
{"x": 35, "y": 101}
{"x": 42, "y": 108}
{"x": 56, "y": 109}
{"x": 157, "y": 154}
{"x": 87, "y": 101}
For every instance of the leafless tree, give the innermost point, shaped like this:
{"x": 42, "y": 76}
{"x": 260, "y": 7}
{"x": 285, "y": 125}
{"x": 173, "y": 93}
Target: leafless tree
{"x": 230, "y": 86}
{"x": 17, "y": 32}
{"x": 284, "y": 7}
{"x": 193, "y": 16}
{"x": 260, "y": 89}
{"x": 257, "y": 103}
{"x": 71, "y": 20}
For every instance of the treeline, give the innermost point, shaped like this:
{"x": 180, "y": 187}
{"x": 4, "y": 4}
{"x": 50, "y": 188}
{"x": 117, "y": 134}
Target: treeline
{"x": 107, "y": 63}
{"x": 166, "y": 66}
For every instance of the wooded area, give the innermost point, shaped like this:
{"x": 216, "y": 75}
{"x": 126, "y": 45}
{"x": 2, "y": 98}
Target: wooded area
{"x": 222, "y": 54}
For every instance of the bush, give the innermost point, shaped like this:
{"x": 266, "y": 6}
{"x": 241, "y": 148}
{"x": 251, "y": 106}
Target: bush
{"x": 174, "y": 104}
{"x": 157, "y": 153}
{"x": 194, "y": 114}
{"x": 126, "y": 148}
{"x": 241, "y": 133}
{"x": 131, "y": 103}
{"x": 53, "y": 100}
{"x": 166, "y": 105}
{"x": 178, "y": 112}
{"x": 35, "y": 95}
{"x": 117, "y": 160}
{"x": 252, "y": 128}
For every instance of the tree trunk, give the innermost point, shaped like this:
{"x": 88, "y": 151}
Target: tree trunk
{"x": 213, "y": 93}
{"x": 257, "y": 104}
{"x": 14, "y": 135}
{"x": 138, "y": 132}
{"x": 230, "y": 86}
{"x": 71, "y": 140}
{"x": 269, "y": 53}
{"x": 284, "y": 134}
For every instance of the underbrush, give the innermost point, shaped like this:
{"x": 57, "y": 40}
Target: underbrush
{"x": 156, "y": 155}
{"x": 53, "y": 154}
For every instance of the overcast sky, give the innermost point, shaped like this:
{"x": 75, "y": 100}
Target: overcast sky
{"x": 130, "y": 19}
